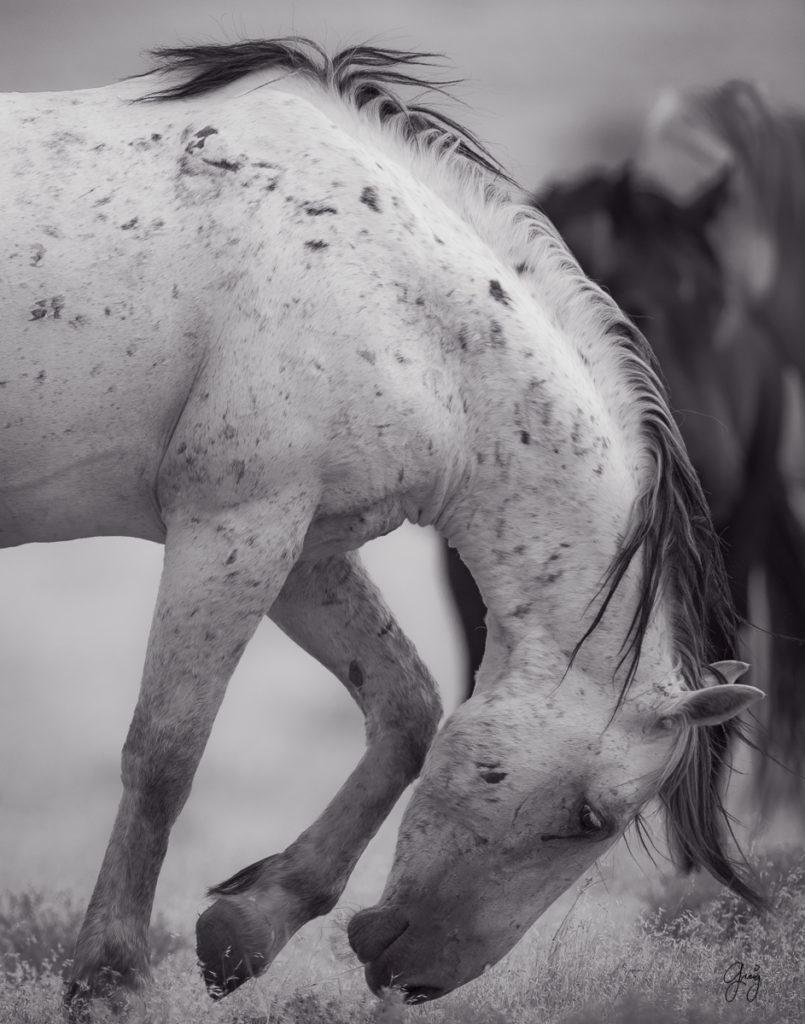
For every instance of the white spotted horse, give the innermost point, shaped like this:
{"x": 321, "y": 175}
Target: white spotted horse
{"x": 259, "y": 309}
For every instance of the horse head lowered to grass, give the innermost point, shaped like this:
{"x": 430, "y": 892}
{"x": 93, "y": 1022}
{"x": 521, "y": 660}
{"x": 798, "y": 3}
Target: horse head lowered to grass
{"x": 260, "y": 310}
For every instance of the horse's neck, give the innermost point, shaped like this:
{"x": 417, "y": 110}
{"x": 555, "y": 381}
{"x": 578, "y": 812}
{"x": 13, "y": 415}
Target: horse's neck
{"x": 551, "y": 487}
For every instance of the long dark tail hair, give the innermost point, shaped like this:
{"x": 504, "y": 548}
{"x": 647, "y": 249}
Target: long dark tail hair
{"x": 780, "y": 775}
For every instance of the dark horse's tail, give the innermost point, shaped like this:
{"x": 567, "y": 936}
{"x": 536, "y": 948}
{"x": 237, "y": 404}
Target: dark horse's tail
{"x": 765, "y": 535}
{"x": 784, "y": 710}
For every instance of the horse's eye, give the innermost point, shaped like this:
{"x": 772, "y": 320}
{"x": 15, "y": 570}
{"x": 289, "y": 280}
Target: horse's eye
{"x": 590, "y": 820}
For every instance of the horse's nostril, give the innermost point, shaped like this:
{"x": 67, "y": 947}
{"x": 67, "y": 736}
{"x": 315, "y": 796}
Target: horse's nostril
{"x": 372, "y": 931}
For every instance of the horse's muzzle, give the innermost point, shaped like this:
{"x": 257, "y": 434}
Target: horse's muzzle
{"x": 372, "y": 931}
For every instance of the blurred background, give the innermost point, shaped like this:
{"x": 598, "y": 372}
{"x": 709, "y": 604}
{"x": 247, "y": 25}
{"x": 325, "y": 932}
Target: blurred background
{"x": 552, "y": 86}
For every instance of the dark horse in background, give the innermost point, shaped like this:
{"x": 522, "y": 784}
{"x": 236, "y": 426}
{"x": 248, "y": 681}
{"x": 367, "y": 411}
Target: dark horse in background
{"x": 726, "y": 380}
{"x": 738, "y": 135}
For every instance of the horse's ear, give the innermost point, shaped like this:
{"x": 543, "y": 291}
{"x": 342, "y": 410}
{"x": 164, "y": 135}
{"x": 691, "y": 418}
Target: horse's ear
{"x": 724, "y": 671}
{"x": 721, "y": 699}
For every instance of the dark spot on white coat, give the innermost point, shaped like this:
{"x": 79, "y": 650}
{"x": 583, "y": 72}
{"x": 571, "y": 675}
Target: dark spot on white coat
{"x": 370, "y": 198}
{"x": 498, "y": 294}
{"x": 312, "y": 210}
{"x": 200, "y": 137}
{"x": 222, "y": 164}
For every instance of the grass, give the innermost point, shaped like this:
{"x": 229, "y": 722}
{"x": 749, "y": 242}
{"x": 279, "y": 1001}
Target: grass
{"x": 602, "y": 966}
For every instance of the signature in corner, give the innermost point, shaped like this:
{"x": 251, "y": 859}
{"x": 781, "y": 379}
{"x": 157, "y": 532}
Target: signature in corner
{"x": 735, "y": 978}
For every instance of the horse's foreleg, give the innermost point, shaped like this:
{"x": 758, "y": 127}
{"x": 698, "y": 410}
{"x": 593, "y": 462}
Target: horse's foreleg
{"x": 219, "y": 578}
{"x": 333, "y": 610}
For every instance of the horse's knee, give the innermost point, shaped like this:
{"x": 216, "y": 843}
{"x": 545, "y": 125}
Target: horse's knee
{"x": 157, "y": 773}
{"x": 426, "y": 726}
{"x": 412, "y": 729}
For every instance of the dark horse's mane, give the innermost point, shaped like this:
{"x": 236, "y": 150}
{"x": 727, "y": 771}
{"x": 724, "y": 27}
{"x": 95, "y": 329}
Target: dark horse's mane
{"x": 363, "y": 76}
{"x": 680, "y": 538}
{"x": 671, "y": 531}
{"x": 674, "y": 533}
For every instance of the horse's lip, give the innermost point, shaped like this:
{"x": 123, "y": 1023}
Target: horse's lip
{"x": 379, "y": 977}
{"x": 421, "y": 993}
{"x": 372, "y": 944}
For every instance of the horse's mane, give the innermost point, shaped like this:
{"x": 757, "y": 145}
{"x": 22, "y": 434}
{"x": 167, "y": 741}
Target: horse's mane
{"x": 363, "y": 76}
{"x": 768, "y": 145}
{"x": 681, "y": 555}
{"x": 670, "y": 531}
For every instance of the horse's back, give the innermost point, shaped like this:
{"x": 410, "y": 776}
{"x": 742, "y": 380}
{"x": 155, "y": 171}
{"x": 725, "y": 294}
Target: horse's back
{"x": 226, "y": 251}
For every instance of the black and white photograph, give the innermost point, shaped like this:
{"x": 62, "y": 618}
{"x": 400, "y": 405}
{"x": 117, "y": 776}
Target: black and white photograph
{"x": 402, "y": 512}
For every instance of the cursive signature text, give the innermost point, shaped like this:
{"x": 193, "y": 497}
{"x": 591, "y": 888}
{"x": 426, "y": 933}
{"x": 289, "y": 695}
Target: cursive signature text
{"x": 735, "y": 978}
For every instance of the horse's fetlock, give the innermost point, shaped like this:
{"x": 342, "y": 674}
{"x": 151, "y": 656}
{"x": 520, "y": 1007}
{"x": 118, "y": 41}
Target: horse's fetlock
{"x": 297, "y": 876}
{"x": 320, "y": 901}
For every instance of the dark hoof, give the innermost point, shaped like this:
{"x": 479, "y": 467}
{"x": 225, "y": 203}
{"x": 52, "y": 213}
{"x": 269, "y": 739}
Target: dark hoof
{"x": 76, "y": 1002}
{"x": 421, "y": 993}
{"x": 118, "y": 991}
{"x": 106, "y": 995}
{"x": 233, "y": 943}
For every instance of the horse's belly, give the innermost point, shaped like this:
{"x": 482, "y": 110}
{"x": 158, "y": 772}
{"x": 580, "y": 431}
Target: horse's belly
{"x": 88, "y": 399}
{"x": 96, "y": 357}
{"x": 74, "y": 462}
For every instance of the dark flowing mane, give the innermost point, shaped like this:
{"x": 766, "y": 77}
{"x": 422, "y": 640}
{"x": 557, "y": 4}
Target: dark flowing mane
{"x": 672, "y": 535}
{"x": 363, "y": 76}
